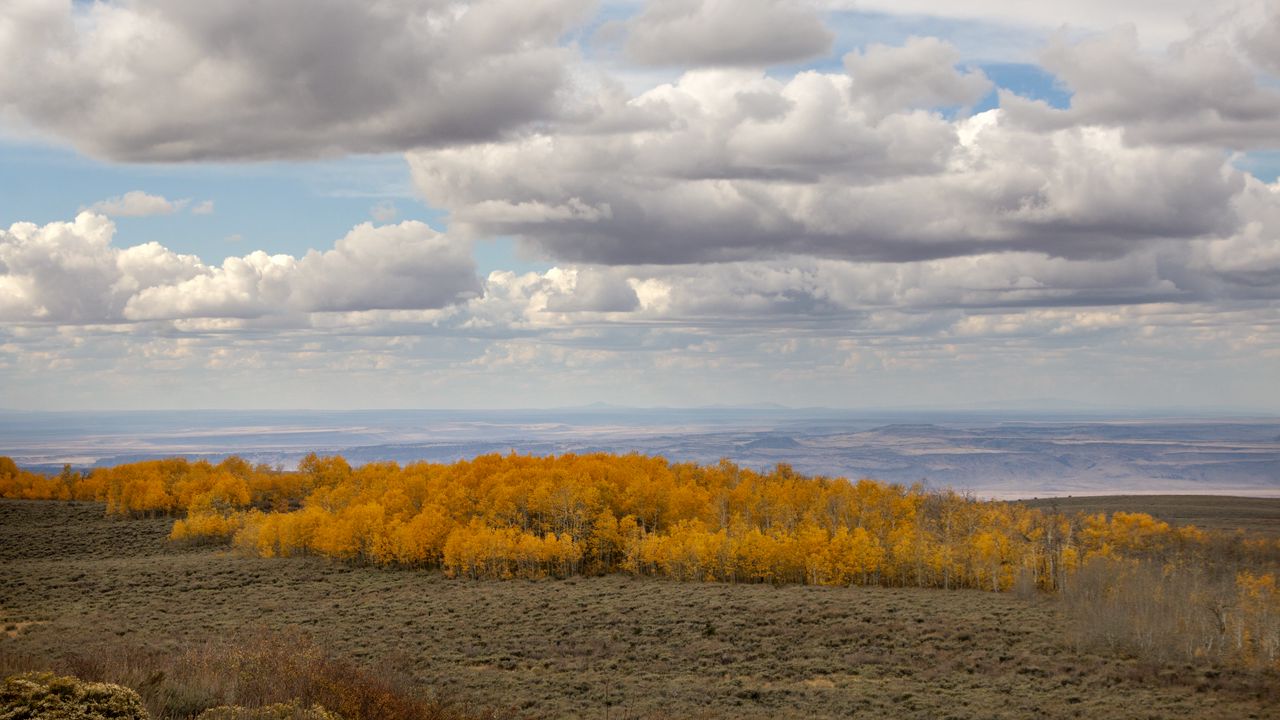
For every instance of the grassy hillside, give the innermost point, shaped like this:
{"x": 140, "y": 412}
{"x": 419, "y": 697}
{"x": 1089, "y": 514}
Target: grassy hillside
{"x": 78, "y": 583}
{"x": 1211, "y": 512}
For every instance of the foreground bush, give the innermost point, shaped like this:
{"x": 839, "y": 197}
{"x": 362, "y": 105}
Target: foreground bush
{"x": 45, "y": 696}
{"x": 261, "y": 676}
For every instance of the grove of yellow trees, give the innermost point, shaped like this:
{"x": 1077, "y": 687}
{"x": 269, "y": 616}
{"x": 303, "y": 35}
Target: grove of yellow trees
{"x": 518, "y": 516}
{"x": 521, "y": 516}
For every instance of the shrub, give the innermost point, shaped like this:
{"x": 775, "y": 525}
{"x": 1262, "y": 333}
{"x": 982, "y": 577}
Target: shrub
{"x": 261, "y": 672}
{"x": 279, "y": 711}
{"x": 54, "y": 697}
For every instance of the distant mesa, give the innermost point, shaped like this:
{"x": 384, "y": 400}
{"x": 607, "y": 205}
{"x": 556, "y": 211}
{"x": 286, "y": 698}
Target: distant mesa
{"x": 601, "y": 406}
{"x": 773, "y": 442}
{"x": 914, "y": 429}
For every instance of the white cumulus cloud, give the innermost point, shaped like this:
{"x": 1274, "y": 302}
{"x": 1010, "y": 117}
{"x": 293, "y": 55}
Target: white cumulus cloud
{"x": 72, "y": 273}
{"x": 137, "y": 203}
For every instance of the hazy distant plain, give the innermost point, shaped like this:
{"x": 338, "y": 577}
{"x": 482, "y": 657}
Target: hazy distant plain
{"x": 988, "y": 454}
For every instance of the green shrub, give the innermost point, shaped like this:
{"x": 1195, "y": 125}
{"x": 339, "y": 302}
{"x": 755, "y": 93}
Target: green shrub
{"x": 46, "y": 696}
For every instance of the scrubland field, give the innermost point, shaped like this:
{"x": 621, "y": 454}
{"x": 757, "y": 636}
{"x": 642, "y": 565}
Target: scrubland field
{"x": 1253, "y": 515}
{"x": 80, "y": 590}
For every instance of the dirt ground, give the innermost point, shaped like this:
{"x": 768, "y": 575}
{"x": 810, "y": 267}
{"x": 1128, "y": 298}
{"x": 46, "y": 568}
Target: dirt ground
{"x": 612, "y": 647}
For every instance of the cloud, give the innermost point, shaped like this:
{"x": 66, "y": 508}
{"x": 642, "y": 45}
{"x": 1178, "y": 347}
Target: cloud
{"x": 389, "y": 275}
{"x": 552, "y": 298}
{"x": 137, "y": 203}
{"x": 725, "y": 33}
{"x": 1210, "y": 89}
{"x": 1161, "y": 22}
{"x": 406, "y": 266}
{"x": 145, "y": 81}
{"x": 881, "y": 358}
{"x": 384, "y": 211}
{"x": 382, "y": 311}
{"x": 1261, "y": 38}
{"x": 204, "y": 207}
{"x": 1232, "y": 273}
{"x": 922, "y": 73}
{"x": 243, "y": 287}
{"x": 731, "y": 165}
{"x": 851, "y": 232}
{"x": 1250, "y": 258}
{"x": 70, "y": 273}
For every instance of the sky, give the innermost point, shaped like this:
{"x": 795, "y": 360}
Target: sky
{"x": 548, "y": 203}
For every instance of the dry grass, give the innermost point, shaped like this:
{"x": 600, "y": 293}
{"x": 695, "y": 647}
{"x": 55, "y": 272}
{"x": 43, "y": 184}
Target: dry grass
{"x": 259, "y": 668}
{"x": 1259, "y": 516}
{"x": 612, "y": 647}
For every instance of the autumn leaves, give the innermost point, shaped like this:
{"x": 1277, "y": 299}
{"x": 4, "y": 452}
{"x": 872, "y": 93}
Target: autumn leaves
{"x": 517, "y": 516}
{"x": 500, "y": 517}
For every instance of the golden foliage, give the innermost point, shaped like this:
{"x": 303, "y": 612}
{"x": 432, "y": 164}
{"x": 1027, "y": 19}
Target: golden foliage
{"x": 531, "y": 517}
{"x": 1255, "y": 624}
{"x": 520, "y": 516}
